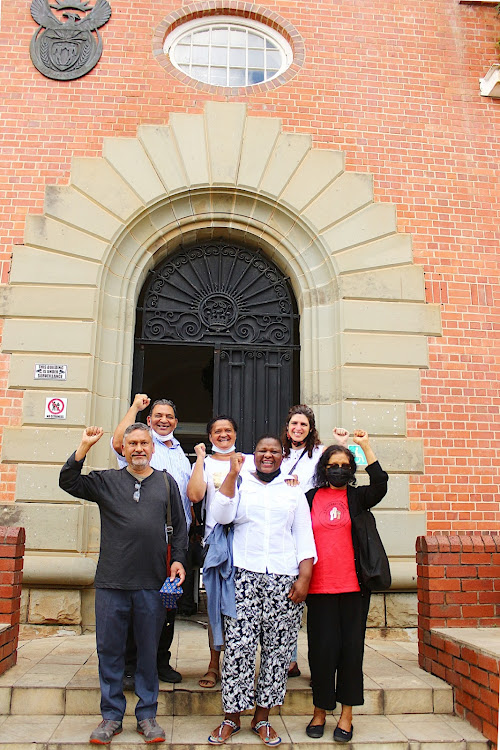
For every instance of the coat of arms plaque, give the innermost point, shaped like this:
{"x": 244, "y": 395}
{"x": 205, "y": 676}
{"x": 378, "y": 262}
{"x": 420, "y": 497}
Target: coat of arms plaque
{"x": 68, "y": 49}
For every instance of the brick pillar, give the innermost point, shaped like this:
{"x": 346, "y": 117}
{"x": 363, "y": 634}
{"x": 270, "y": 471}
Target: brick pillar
{"x": 459, "y": 587}
{"x": 12, "y": 542}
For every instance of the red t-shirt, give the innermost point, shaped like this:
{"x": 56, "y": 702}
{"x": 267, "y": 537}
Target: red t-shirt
{"x": 335, "y": 572}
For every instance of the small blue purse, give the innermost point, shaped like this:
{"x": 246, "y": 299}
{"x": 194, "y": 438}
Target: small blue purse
{"x": 170, "y": 592}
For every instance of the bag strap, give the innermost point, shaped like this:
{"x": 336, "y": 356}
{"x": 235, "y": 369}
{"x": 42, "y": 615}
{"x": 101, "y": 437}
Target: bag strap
{"x": 297, "y": 461}
{"x": 310, "y": 496}
{"x": 170, "y": 528}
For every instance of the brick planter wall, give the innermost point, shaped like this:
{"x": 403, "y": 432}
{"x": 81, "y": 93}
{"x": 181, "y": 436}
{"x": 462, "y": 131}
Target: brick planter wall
{"x": 12, "y": 542}
{"x": 459, "y": 587}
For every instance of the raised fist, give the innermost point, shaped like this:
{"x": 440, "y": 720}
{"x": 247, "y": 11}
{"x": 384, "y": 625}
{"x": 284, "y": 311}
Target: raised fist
{"x": 91, "y": 435}
{"x": 340, "y": 436}
{"x": 237, "y": 460}
{"x": 200, "y": 450}
{"x": 141, "y": 401}
{"x": 361, "y": 438}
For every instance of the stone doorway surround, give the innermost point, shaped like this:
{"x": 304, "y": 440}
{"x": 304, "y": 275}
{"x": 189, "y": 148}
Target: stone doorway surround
{"x": 74, "y": 285}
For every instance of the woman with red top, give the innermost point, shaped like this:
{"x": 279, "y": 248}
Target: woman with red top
{"x": 337, "y": 602}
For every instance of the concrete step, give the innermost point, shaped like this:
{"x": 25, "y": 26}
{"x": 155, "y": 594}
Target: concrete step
{"x": 391, "y": 732}
{"x": 59, "y": 676}
{"x": 43, "y": 692}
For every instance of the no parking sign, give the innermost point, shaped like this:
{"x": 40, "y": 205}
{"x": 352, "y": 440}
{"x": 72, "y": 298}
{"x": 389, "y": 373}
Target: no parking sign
{"x": 55, "y": 407}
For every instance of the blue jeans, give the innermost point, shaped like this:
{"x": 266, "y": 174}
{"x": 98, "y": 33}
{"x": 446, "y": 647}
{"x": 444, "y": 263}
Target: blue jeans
{"x": 114, "y": 608}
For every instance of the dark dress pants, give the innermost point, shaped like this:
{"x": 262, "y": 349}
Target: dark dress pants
{"x": 166, "y": 638}
{"x": 114, "y": 609}
{"x": 336, "y": 625}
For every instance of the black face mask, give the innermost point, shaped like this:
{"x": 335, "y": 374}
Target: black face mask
{"x": 267, "y": 476}
{"x": 338, "y": 476}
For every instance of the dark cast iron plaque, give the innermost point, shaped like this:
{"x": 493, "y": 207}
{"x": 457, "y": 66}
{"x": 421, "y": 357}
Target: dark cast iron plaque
{"x": 64, "y": 50}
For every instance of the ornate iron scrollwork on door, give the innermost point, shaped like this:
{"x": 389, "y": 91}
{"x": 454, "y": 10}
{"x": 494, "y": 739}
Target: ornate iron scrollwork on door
{"x": 218, "y": 292}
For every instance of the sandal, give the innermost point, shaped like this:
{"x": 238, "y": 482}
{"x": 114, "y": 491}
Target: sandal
{"x": 267, "y": 739}
{"x": 212, "y": 681}
{"x": 217, "y": 739}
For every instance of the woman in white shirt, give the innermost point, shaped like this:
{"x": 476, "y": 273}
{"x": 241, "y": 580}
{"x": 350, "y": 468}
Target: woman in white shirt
{"x": 302, "y": 447}
{"x": 208, "y": 474}
{"x": 273, "y": 555}
{"x": 302, "y": 450}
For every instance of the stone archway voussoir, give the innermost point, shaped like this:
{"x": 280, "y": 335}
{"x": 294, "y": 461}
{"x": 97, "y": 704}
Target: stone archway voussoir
{"x": 97, "y": 179}
{"x": 68, "y": 205}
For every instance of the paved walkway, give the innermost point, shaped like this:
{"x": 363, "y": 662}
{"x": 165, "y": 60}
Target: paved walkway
{"x": 51, "y": 698}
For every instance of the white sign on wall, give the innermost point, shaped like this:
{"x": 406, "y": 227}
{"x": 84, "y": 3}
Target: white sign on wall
{"x": 51, "y": 372}
{"x": 55, "y": 407}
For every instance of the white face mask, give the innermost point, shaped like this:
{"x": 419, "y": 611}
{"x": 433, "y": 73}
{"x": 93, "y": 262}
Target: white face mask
{"x": 163, "y": 438}
{"x": 222, "y": 451}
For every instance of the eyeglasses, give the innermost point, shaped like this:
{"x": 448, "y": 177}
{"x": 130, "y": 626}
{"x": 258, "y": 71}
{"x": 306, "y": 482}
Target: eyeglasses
{"x": 137, "y": 493}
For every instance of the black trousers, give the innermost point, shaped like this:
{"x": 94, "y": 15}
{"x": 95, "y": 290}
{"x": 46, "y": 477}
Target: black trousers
{"x": 336, "y": 625}
{"x": 166, "y": 638}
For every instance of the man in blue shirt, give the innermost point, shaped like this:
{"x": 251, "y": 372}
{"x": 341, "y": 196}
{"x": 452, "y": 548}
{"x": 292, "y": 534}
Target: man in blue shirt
{"x": 168, "y": 454}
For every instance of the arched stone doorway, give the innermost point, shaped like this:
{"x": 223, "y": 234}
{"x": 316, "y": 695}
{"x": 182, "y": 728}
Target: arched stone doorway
{"x": 75, "y": 283}
{"x": 217, "y": 331}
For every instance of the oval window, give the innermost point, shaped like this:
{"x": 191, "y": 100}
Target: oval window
{"x": 228, "y": 51}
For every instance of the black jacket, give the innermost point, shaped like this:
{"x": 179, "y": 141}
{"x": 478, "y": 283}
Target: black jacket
{"x": 360, "y": 499}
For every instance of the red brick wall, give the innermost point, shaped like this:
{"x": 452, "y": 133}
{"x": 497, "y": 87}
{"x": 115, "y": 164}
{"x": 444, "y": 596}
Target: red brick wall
{"x": 459, "y": 587}
{"x": 394, "y": 86}
{"x": 11, "y": 573}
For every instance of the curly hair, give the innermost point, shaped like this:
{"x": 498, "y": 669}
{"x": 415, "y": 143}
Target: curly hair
{"x": 312, "y": 439}
{"x": 320, "y": 479}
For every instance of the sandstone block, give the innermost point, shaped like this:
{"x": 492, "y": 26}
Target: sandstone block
{"x": 53, "y": 607}
{"x": 401, "y": 610}
{"x": 25, "y": 595}
{"x": 376, "y": 615}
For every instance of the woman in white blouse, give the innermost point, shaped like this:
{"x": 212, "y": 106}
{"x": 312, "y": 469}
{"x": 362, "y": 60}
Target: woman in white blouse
{"x": 273, "y": 555}
{"x": 209, "y": 471}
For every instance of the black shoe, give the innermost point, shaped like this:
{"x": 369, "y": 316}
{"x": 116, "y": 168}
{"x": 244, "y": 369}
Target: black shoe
{"x": 168, "y": 674}
{"x": 340, "y": 735}
{"x": 315, "y": 732}
{"x": 187, "y": 611}
{"x": 129, "y": 682}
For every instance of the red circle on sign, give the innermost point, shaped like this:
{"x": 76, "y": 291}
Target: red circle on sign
{"x": 55, "y": 406}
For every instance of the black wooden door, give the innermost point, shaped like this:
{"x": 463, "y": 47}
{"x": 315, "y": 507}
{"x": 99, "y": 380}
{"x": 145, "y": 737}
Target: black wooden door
{"x": 235, "y": 301}
{"x": 255, "y": 387}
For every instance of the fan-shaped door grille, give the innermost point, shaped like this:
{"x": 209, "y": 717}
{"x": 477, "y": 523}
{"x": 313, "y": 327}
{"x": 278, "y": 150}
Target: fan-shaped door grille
{"x": 218, "y": 293}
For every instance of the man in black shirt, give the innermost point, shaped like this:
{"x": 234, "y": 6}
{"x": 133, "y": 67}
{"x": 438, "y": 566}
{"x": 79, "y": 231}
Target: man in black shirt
{"x": 131, "y": 570}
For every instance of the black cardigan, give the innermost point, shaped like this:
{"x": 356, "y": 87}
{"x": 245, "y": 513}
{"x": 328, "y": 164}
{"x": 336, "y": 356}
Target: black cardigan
{"x": 360, "y": 499}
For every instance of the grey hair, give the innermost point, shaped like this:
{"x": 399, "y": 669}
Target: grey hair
{"x": 137, "y": 426}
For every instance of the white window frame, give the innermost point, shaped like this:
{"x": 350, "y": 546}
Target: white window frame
{"x": 206, "y": 22}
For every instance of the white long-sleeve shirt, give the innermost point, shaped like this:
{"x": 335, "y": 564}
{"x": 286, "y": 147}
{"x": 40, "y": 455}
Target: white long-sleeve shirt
{"x": 272, "y": 525}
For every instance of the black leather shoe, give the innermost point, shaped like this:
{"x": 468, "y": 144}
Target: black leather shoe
{"x": 315, "y": 732}
{"x": 340, "y": 735}
{"x": 169, "y": 674}
{"x": 129, "y": 682}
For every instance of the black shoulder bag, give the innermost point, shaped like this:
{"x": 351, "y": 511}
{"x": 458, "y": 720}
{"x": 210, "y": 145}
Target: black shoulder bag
{"x": 372, "y": 557}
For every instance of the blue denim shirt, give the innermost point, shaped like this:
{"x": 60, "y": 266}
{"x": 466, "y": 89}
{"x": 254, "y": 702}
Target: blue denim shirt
{"x": 218, "y": 578}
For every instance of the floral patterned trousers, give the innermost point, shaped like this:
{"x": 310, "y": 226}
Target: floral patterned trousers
{"x": 265, "y": 615}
